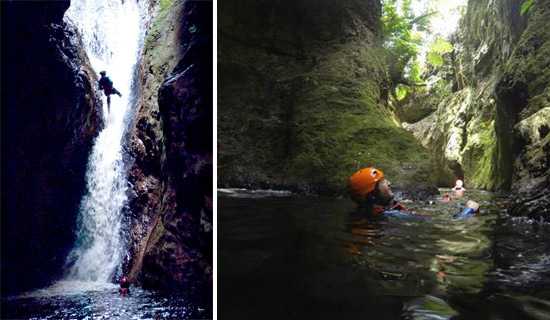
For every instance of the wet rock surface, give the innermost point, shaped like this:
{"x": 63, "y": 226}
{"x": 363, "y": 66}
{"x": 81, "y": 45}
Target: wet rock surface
{"x": 526, "y": 79}
{"x": 172, "y": 146}
{"x": 162, "y": 51}
{"x": 50, "y": 116}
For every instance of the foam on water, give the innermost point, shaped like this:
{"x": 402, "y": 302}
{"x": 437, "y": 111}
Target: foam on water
{"x": 70, "y": 287}
{"x": 248, "y": 193}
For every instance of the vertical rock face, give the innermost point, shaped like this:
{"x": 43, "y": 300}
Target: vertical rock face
{"x": 525, "y": 94}
{"x": 172, "y": 145}
{"x": 50, "y": 117}
{"x": 300, "y": 97}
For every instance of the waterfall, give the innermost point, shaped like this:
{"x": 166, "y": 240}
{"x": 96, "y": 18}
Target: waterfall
{"x": 112, "y": 33}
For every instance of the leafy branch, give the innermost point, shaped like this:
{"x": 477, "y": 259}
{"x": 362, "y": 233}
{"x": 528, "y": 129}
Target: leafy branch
{"x": 526, "y": 6}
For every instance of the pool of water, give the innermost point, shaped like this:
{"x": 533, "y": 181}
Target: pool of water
{"x": 290, "y": 257}
{"x": 89, "y": 300}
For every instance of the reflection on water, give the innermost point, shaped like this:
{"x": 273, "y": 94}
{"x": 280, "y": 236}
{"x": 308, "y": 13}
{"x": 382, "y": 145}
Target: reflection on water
{"x": 296, "y": 256}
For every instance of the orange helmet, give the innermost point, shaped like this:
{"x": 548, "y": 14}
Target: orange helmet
{"x": 363, "y": 182}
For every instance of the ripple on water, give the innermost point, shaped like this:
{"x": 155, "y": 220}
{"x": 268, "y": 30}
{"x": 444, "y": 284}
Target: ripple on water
{"x": 428, "y": 308}
{"x": 285, "y": 253}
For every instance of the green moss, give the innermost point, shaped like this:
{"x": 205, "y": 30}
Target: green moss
{"x": 158, "y": 25}
{"x": 297, "y": 113}
{"x": 483, "y": 168}
{"x": 164, "y": 5}
{"x": 351, "y": 132}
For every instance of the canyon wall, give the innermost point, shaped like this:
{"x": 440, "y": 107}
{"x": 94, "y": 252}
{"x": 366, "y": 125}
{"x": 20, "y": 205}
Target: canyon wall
{"x": 50, "y": 117}
{"x": 492, "y": 130}
{"x": 302, "y": 94}
{"x": 171, "y": 144}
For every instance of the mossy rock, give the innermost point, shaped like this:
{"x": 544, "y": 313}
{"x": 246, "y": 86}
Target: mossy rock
{"x": 299, "y": 103}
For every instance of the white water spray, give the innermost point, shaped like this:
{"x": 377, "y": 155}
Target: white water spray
{"x": 112, "y": 32}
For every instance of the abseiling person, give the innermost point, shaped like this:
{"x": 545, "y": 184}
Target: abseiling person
{"x": 106, "y": 84}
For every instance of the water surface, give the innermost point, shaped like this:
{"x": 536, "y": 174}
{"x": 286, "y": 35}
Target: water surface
{"x": 92, "y": 300}
{"x": 295, "y": 256}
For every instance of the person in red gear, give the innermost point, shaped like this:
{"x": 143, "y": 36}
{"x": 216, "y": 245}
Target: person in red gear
{"x": 369, "y": 189}
{"x": 124, "y": 286}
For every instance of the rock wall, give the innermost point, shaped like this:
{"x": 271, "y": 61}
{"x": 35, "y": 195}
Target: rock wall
{"x": 525, "y": 94}
{"x": 300, "y": 98}
{"x": 50, "y": 117}
{"x": 172, "y": 145}
{"x": 462, "y": 131}
{"x": 493, "y": 130}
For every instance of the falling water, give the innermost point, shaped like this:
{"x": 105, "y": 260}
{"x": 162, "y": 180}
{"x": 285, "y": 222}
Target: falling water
{"x": 112, "y": 33}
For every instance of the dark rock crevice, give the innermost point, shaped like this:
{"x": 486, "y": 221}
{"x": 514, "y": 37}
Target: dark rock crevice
{"x": 511, "y": 99}
{"x": 51, "y": 115}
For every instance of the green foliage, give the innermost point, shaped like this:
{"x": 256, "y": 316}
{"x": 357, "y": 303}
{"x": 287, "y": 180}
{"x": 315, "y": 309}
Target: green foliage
{"x": 441, "y": 46}
{"x": 435, "y": 59}
{"x": 437, "y": 49}
{"x": 526, "y": 6}
{"x": 401, "y": 35}
{"x": 402, "y": 31}
{"x": 401, "y": 92}
{"x": 413, "y": 71}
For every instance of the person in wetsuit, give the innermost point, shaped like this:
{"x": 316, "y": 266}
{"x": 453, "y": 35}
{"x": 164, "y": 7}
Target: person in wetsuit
{"x": 372, "y": 192}
{"x": 106, "y": 85}
{"x": 470, "y": 209}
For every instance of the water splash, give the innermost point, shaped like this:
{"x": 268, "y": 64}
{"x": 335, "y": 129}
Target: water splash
{"x": 112, "y": 33}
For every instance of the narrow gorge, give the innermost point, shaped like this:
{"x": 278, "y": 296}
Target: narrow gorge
{"x": 491, "y": 129}
{"x": 443, "y": 101}
{"x": 302, "y": 101}
{"x": 313, "y": 95}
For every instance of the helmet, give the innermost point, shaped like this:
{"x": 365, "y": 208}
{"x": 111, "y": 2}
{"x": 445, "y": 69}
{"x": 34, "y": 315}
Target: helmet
{"x": 363, "y": 182}
{"x": 459, "y": 183}
{"x": 102, "y": 73}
